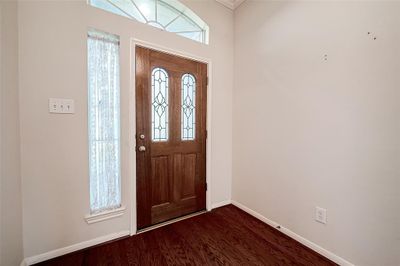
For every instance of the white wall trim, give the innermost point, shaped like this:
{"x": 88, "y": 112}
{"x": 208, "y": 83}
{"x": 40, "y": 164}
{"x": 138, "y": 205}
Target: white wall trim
{"x": 65, "y": 250}
{"x": 333, "y": 257}
{"x": 132, "y": 138}
{"x": 89, "y": 243}
{"x": 221, "y": 203}
{"x": 102, "y": 216}
{"x": 132, "y": 113}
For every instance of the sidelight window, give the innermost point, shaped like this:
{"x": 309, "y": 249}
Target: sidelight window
{"x": 104, "y": 121}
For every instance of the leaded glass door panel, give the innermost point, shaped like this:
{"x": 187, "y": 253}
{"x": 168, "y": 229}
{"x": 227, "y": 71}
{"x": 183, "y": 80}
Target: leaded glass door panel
{"x": 171, "y": 97}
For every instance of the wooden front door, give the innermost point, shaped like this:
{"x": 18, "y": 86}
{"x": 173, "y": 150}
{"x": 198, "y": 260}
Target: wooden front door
{"x": 171, "y": 97}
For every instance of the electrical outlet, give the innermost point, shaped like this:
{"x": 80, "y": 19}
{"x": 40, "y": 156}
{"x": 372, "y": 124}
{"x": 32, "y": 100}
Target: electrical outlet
{"x": 61, "y": 106}
{"x": 320, "y": 215}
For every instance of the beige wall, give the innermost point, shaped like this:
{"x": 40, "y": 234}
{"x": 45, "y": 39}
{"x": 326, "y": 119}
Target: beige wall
{"x": 10, "y": 183}
{"x": 52, "y": 37}
{"x": 309, "y": 132}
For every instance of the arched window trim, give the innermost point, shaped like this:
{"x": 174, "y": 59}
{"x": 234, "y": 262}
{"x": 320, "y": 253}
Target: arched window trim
{"x": 180, "y": 16}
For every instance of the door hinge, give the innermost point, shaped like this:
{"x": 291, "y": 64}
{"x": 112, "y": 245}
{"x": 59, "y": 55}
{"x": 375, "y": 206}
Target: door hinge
{"x": 207, "y": 81}
{"x": 206, "y": 134}
{"x": 206, "y": 187}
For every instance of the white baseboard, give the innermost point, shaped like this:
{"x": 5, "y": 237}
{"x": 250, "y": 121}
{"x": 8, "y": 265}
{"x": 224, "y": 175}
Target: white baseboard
{"x": 65, "y": 250}
{"x": 333, "y": 257}
{"x": 72, "y": 248}
{"x": 220, "y": 204}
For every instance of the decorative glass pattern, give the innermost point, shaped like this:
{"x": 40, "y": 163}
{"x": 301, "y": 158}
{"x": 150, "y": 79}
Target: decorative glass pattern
{"x": 159, "y": 104}
{"x": 168, "y": 15}
{"x": 188, "y": 110}
{"x": 104, "y": 121}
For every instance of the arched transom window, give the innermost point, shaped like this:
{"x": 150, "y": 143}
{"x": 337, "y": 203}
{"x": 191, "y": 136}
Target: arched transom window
{"x": 168, "y": 15}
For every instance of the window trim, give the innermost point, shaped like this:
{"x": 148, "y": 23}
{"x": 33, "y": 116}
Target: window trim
{"x": 105, "y": 215}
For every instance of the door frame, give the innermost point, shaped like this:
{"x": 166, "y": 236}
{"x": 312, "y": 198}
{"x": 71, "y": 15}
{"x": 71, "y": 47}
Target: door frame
{"x": 132, "y": 122}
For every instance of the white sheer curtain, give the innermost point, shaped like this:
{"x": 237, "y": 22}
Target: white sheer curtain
{"x": 104, "y": 121}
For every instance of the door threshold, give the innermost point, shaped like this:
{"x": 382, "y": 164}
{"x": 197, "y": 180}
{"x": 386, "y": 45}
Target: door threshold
{"x": 152, "y": 227}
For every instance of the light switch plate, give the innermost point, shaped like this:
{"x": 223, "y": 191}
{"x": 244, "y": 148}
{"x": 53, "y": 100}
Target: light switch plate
{"x": 67, "y": 106}
{"x": 61, "y": 106}
{"x": 53, "y": 105}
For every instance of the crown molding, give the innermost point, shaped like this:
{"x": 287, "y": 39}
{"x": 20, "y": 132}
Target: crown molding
{"x": 231, "y": 4}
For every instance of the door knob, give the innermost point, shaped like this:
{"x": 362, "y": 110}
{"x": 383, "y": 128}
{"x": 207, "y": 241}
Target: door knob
{"x": 142, "y": 148}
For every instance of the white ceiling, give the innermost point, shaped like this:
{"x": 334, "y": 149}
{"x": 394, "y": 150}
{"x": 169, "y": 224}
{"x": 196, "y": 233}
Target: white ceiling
{"x": 232, "y": 4}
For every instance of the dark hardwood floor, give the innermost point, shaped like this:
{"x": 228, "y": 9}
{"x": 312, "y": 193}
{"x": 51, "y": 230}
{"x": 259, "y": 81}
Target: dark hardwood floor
{"x": 224, "y": 236}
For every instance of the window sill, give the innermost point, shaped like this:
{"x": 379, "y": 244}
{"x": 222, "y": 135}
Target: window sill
{"x": 106, "y": 215}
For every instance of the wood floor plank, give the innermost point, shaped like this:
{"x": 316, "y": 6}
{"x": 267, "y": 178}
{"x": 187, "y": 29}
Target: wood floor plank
{"x": 253, "y": 245}
{"x": 208, "y": 253}
{"x": 224, "y": 236}
{"x": 304, "y": 256}
{"x": 244, "y": 247}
